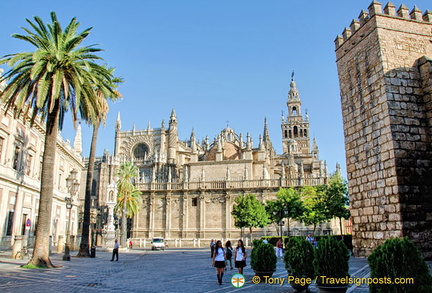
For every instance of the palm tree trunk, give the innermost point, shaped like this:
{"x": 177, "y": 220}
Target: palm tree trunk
{"x": 84, "y": 245}
{"x": 124, "y": 223}
{"x": 41, "y": 249}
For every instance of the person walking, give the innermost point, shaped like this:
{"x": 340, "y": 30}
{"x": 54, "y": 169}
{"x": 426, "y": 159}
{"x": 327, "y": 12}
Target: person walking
{"x": 240, "y": 256}
{"x": 279, "y": 249}
{"x": 212, "y": 246}
{"x": 229, "y": 254}
{"x": 219, "y": 261}
{"x": 115, "y": 250}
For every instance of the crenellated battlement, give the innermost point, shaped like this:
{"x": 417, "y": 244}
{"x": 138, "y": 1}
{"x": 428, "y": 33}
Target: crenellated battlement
{"x": 375, "y": 8}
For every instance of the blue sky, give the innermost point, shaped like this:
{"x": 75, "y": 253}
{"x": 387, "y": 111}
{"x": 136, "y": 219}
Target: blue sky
{"x": 213, "y": 61}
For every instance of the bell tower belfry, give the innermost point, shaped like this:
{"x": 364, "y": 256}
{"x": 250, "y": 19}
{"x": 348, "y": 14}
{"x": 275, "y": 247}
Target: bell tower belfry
{"x": 295, "y": 129}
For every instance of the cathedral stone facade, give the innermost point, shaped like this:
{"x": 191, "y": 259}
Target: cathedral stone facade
{"x": 385, "y": 75}
{"x": 188, "y": 187}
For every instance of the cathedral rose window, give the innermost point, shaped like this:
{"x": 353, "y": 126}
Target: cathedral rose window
{"x": 140, "y": 151}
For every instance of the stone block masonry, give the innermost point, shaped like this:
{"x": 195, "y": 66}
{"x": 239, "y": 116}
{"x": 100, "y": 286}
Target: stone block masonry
{"x": 385, "y": 72}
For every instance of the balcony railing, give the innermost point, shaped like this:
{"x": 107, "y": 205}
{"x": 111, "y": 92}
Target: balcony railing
{"x": 229, "y": 184}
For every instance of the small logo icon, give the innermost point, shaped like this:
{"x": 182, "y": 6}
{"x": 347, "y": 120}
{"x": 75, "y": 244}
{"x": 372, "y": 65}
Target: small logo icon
{"x": 238, "y": 280}
{"x": 256, "y": 279}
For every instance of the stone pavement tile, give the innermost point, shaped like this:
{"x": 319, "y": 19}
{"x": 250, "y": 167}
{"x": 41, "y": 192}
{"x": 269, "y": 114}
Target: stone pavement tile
{"x": 173, "y": 270}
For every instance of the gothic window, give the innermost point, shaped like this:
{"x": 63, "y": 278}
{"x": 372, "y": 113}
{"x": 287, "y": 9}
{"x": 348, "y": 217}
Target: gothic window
{"x": 141, "y": 151}
{"x": 295, "y": 131}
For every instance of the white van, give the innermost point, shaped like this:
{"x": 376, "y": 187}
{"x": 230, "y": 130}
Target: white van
{"x": 158, "y": 243}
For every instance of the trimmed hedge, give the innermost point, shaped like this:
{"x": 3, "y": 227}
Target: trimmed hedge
{"x": 399, "y": 258}
{"x": 347, "y": 239}
{"x": 263, "y": 257}
{"x": 331, "y": 260}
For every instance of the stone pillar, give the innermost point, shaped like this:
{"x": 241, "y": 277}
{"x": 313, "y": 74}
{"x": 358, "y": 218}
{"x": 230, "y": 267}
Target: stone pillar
{"x": 185, "y": 213}
{"x": 151, "y": 215}
{"x": 17, "y": 244}
{"x": 167, "y": 215}
{"x": 202, "y": 215}
{"x": 228, "y": 208}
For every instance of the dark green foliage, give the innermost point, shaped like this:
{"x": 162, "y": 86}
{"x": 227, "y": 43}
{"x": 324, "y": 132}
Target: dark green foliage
{"x": 263, "y": 257}
{"x": 299, "y": 258}
{"x": 331, "y": 259}
{"x": 274, "y": 239}
{"x": 399, "y": 258}
{"x": 347, "y": 239}
{"x": 249, "y": 212}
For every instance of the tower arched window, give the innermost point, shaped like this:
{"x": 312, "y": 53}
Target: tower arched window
{"x": 286, "y": 133}
{"x": 301, "y": 132}
{"x": 295, "y": 131}
{"x": 294, "y": 111}
{"x": 290, "y": 133}
{"x": 305, "y": 132}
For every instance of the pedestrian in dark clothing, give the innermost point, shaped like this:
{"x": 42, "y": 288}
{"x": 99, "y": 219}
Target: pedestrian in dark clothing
{"x": 229, "y": 253}
{"x": 212, "y": 247}
{"x": 115, "y": 250}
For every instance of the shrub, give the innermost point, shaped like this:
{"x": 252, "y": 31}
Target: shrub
{"x": 399, "y": 258}
{"x": 331, "y": 260}
{"x": 263, "y": 257}
{"x": 299, "y": 258}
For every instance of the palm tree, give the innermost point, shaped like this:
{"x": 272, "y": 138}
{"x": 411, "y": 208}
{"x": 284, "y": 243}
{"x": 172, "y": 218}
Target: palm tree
{"x": 97, "y": 121}
{"x": 128, "y": 196}
{"x": 57, "y": 77}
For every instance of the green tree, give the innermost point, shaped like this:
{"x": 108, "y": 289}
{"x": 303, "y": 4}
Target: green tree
{"x": 336, "y": 199}
{"x": 96, "y": 121}
{"x": 249, "y": 212}
{"x": 314, "y": 212}
{"x": 57, "y": 77}
{"x": 128, "y": 196}
{"x": 273, "y": 209}
{"x": 289, "y": 199}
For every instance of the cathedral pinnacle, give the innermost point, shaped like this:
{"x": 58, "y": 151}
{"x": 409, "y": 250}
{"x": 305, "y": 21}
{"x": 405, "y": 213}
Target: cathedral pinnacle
{"x": 78, "y": 140}
{"x": 266, "y": 133}
{"x": 118, "y": 122}
{"x": 173, "y": 114}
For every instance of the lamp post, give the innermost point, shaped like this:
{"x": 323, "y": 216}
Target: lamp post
{"x": 72, "y": 185}
{"x": 283, "y": 213}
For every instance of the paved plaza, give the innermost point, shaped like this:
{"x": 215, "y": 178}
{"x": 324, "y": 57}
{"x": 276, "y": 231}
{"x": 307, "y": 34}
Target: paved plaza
{"x": 173, "y": 270}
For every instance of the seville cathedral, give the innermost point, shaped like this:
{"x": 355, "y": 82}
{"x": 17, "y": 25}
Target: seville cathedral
{"x": 188, "y": 187}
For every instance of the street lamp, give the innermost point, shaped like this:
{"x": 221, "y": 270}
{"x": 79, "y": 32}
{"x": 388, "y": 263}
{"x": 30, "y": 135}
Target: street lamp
{"x": 281, "y": 214}
{"x": 72, "y": 185}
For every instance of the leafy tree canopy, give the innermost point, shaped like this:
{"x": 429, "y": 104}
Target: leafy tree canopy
{"x": 249, "y": 212}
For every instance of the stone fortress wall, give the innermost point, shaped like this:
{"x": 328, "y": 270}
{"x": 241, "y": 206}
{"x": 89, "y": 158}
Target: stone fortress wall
{"x": 385, "y": 69}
